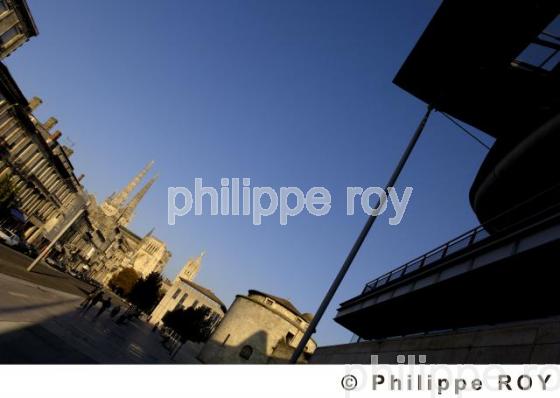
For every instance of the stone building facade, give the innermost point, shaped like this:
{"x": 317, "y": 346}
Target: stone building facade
{"x": 49, "y": 195}
{"x": 37, "y": 166}
{"x": 16, "y": 25}
{"x": 51, "y": 203}
{"x": 150, "y": 256}
{"x": 122, "y": 247}
{"x": 116, "y": 254}
{"x": 184, "y": 293}
{"x": 258, "y": 328}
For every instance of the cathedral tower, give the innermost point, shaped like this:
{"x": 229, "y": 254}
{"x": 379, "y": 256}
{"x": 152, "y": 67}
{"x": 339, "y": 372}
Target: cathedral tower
{"x": 120, "y": 198}
{"x": 128, "y": 212}
{"x": 191, "y": 268}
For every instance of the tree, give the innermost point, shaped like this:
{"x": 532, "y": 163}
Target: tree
{"x": 192, "y": 324}
{"x": 7, "y": 193}
{"x": 123, "y": 282}
{"x": 146, "y": 293}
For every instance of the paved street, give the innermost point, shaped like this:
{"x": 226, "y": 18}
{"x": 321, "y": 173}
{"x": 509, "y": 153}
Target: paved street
{"x": 14, "y": 264}
{"x": 40, "y": 322}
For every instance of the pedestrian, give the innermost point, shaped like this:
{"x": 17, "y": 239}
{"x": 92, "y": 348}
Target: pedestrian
{"x": 126, "y": 315}
{"x": 105, "y": 304}
{"x": 115, "y": 311}
{"x": 97, "y": 297}
{"x": 88, "y": 298}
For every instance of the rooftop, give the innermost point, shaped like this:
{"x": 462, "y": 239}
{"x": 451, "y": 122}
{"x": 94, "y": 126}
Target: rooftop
{"x": 283, "y": 302}
{"x": 23, "y": 10}
{"x": 207, "y": 292}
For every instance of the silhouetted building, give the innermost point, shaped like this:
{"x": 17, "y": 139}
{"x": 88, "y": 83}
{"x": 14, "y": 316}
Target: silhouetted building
{"x": 489, "y": 295}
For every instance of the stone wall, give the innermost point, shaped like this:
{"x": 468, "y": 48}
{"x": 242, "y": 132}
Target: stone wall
{"x": 251, "y": 323}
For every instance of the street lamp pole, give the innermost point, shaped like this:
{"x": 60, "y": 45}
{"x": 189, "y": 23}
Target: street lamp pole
{"x": 359, "y": 241}
{"x": 47, "y": 249}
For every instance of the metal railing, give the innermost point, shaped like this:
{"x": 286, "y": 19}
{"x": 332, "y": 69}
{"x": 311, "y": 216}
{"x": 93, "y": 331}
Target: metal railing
{"x": 461, "y": 242}
{"x": 476, "y": 235}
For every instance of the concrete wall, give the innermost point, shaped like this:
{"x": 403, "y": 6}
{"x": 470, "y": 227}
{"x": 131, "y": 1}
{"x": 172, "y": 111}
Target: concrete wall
{"x": 525, "y": 342}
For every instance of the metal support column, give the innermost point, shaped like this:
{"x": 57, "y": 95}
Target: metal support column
{"x": 363, "y": 234}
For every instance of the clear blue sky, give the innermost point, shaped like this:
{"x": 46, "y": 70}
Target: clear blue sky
{"x": 288, "y": 93}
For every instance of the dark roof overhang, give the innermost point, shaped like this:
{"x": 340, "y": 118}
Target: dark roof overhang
{"x": 465, "y": 65}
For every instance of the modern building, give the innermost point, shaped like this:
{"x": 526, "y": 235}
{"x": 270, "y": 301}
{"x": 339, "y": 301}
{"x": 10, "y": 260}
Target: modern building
{"x": 258, "y": 328}
{"x": 16, "y": 25}
{"x": 184, "y": 293}
{"x": 489, "y": 295}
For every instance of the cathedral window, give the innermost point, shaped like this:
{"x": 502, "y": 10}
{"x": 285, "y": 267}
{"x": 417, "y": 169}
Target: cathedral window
{"x": 176, "y": 294}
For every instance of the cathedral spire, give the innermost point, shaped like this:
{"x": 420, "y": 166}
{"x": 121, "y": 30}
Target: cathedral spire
{"x": 128, "y": 211}
{"x": 120, "y": 198}
{"x": 191, "y": 268}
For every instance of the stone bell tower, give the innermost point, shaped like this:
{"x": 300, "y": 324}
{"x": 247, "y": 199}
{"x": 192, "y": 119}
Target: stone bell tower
{"x": 191, "y": 268}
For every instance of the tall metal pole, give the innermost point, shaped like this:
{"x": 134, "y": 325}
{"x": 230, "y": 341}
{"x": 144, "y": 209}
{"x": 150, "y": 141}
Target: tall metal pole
{"x": 46, "y": 250}
{"x": 363, "y": 234}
